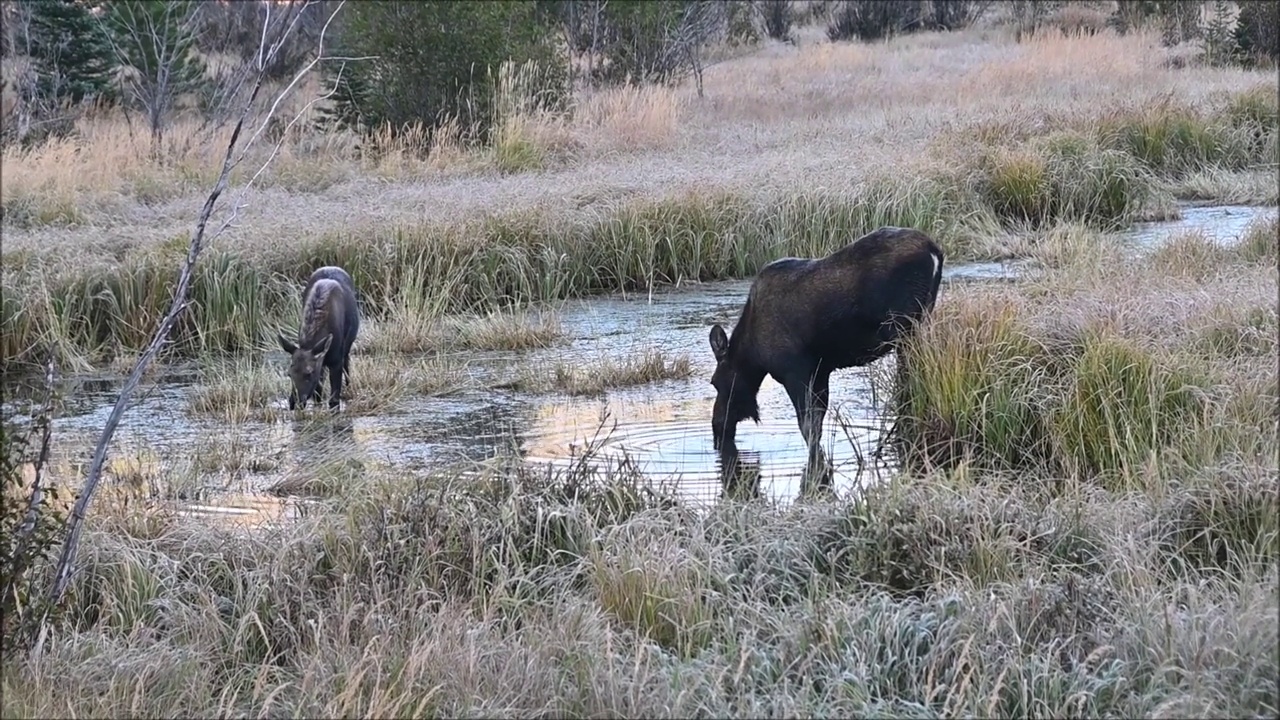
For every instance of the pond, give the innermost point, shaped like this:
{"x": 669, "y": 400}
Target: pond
{"x": 663, "y": 427}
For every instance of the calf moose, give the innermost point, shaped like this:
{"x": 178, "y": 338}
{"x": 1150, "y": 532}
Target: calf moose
{"x": 330, "y": 321}
{"x": 805, "y": 318}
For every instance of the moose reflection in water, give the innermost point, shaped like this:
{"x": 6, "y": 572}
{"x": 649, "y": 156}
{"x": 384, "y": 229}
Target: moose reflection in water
{"x": 330, "y": 321}
{"x": 805, "y": 318}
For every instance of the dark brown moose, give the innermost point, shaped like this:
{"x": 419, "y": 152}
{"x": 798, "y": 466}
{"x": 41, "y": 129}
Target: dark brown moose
{"x": 805, "y": 318}
{"x": 330, "y": 321}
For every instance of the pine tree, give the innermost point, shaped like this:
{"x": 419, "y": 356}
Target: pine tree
{"x": 1219, "y": 41}
{"x": 1257, "y": 34}
{"x": 71, "y": 51}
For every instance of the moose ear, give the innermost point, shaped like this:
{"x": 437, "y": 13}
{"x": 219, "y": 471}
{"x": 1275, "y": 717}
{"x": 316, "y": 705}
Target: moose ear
{"x": 287, "y": 344}
{"x": 322, "y": 347}
{"x": 719, "y": 342}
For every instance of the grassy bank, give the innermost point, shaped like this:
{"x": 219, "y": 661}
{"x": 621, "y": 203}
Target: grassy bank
{"x": 1086, "y": 527}
{"x": 973, "y": 138}
{"x": 577, "y": 597}
{"x": 1106, "y": 367}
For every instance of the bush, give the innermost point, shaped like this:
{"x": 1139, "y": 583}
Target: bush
{"x": 27, "y": 540}
{"x": 655, "y": 40}
{"x": 1131, "y": 14}
{"x": 778, "y": 16}
{"x": 1180, "y": 20}
{"x": 874, "y": 19}
{"x": 953, "y": 14}
{"x": 436, "y": 61}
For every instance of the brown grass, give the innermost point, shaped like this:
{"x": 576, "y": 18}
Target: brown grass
{"x": 783, "y": 118}
{"x": 496, "y": 330}
{"x": 1093, "y": 585}
{"x": 593, "y": 378}
{"x": 1105, "y": 545}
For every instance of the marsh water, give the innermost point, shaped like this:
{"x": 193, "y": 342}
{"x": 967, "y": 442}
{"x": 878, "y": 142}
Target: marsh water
{"x": 662, "y": 427}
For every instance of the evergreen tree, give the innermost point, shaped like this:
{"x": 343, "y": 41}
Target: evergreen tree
{"x": 1257, "y": 34}
{"x": 71, "y": 51}
{"x": 435, "y": 59}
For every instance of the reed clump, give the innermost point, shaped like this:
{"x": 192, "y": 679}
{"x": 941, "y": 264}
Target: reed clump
{"x": 240, "y": 390}
{"x": 1065, "y": 177}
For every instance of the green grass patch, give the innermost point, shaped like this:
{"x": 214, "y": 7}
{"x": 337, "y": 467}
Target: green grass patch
{"x": 1065, "y": 177}
{"x": 988, "y": 390}
{"x": 1175, "y": 140}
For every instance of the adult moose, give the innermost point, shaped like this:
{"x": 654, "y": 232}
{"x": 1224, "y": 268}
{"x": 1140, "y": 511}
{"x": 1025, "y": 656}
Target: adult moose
{"x": 805, "y": 318}
{"x": 330, "y": 321}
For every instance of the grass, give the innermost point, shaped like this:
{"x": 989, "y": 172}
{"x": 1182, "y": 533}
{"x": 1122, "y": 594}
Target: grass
{"x": 250, "y": 390}
{"x": 974, "y": 138}
{"x": 1083, "y": 521}
{"x": 240, "y": 391}
{"x": 1093, "y": 523}
{"x": 577, "y": 378}
{"x": 517, "y": 593}
{"x": 232, "y": 454}
{"x": 1129, "y": 367}
{"x": 377, "y": 387}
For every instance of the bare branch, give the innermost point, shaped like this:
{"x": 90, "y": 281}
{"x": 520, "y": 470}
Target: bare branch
{"x": 275, "y": 150}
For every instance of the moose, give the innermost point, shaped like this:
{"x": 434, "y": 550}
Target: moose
{"x": 330, "y": 321}
{"x": 807, "y": 317}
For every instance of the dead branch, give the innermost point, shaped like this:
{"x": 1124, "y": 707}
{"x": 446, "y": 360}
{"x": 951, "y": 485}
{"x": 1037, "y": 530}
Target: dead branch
{"x": 75, "y": 524}
{"x": 22, "y": 539}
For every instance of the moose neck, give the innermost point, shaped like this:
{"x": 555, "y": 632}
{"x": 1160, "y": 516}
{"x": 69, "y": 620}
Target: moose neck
{"x": 742, "y": 397}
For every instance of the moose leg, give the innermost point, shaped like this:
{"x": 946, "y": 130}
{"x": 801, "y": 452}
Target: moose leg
{"x": 818, "y": 396}
{"x": 335, "y": 387}
{"x": 808, "y": 394}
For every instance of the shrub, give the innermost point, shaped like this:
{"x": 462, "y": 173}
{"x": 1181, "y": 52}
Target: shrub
{"x": 874, "y": 19}
{"x": 655, "y": 40}
{"x": 436, "y": 61}
{"x": 1065, "y": 176}
{"x": 1131, "y": 14}
{"x": 778, "y": 16}
{"x": 27, "y": 540}
{"x": 954, "y": 14}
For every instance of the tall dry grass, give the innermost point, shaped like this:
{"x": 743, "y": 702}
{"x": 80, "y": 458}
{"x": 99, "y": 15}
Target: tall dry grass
{"x": 514, "y": 593}
{"x": 1106, "y": 368}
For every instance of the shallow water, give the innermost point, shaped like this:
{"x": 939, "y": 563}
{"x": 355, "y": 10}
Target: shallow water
{"x": 662, "y": 427}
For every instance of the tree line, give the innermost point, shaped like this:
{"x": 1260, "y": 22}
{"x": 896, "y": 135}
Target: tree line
{"x": 420, "y": 63}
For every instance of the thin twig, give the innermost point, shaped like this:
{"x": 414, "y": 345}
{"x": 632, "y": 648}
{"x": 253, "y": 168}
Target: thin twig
{"x": 75, "y": 524}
